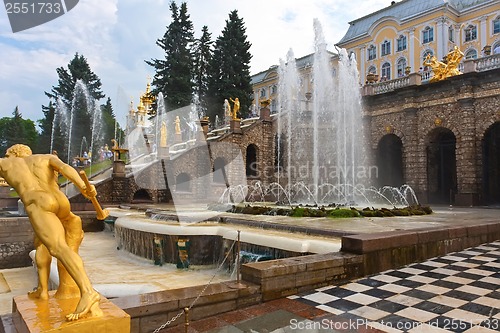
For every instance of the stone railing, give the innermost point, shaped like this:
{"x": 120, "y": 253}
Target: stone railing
{"x": 487, "y": 63}
{"x": 469, "y": 65}
{"x": 383, "y": 87}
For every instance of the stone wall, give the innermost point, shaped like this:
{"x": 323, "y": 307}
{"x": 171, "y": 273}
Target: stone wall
{"x": 467, "y": 105}
{"x": 16, "y": 242}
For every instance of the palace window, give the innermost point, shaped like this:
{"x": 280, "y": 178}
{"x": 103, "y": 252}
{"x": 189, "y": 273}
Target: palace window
{"x": 386, "y": 48}
{"x": 424, "y": 57}
{"x": 274, "y": 89}
{"x": 263, "y": 92}
{"x": 470, "y": 33}
{"x": 372, "y": 52}
{"x": 372, "y": 70}
{"x": 451, "y": 34}
{"x": 471, "y": 54}
{"x": 427, "y": 35}
{"x": 386, "y": 71}
{"x": 496, "y": 25}
{"x": 401, "y": 41}
{"x": 401, "y": 67}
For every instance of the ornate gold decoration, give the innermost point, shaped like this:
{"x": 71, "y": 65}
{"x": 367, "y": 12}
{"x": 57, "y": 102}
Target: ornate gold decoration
{"x": 389, "y": 129}
{"x": 177, "y": 125}
{"x": 443, "y": 70}
{"x": 438, "y": 121}
{"x": 265, "y": 102}
{"x": 236, "y": 108}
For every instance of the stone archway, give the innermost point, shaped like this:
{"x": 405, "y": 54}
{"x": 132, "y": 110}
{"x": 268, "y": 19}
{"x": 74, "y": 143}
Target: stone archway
{"x": 142, "y": 196}
{"x": 219, "y": 172}
{"x": 251, "y": 161}
{"x": 390, "y": 161}
{"x": 491, "y": 165}
{"x": 441, "y": 166}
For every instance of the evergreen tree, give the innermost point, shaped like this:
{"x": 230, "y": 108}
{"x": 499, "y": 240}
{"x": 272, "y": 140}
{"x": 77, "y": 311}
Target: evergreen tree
{"x": 174, "y": 74}
{"x": 230, "y": 68}
{"x": 74, "y": 101}
{"x": 17, "y": 130}
{"x": 202, "y": 55}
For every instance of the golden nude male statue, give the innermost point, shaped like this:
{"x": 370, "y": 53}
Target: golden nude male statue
{"x": 236, "y": 107}
{"x": 57, "y": 230}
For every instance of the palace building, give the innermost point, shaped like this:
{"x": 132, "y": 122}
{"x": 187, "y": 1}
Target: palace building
{"x": 397, "y": 39}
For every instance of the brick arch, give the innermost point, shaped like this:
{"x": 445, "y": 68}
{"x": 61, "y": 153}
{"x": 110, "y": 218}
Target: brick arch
{"x": 383, "y": 132}
{"x": 250, "y": 167}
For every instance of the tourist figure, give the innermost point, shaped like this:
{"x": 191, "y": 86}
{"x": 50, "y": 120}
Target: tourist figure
{"x": 57, "y": 230}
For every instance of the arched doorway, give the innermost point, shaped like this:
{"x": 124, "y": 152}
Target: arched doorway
{"x": 219, "y": 174}
{"x": 141, "y": 196}
{"x": 183, "y": 182}
{"x": 491, "y": 165}
{"x": 390, "y": 161}
{"x": 251, "y": 161}
{"x": 441, "y": 166}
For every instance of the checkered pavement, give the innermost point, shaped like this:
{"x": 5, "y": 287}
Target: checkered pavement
{"x": 459, "y": 292}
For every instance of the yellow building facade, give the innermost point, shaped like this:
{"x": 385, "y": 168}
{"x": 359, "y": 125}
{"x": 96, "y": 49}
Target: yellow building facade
{"x": 265, "y": 83}
{"x": 395, "y": 40}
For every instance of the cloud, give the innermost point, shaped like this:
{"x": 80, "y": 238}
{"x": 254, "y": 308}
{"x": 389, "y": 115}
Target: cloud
{"x": 116, "y": 36}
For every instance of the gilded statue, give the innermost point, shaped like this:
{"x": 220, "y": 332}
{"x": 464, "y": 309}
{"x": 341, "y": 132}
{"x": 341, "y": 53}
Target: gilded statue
{"x": 58, "y": 232}
{"x": 236, "y": 107}
{"x": 177, "y": 125}
{"x": 443, "y": 70}
{"x": 163, "y": 134}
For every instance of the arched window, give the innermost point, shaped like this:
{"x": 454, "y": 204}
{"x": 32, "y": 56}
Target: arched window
{"x": 496, "y": 25}
{"x": 385, "y": 48}
{"x": 424, "y": 56}
{"x": 219, "y": 175}
{"x": 183, "y": 182}
{"x": 263, "y": 92}
{"x": 427, "y": 35}
{"x": 372, "y": 52}
{"x": 372, "y": 70}
{"x": 251, "y": 161}
{"x": 471, "y": 54}
{"x": 401, "y": 41}
{"x": 386, "y": 71}
{"x": 401, "y": 67}
{"x": 470, "y": 33}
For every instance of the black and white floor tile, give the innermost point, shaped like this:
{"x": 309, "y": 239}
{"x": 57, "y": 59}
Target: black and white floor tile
{"x": 459, "y": 292}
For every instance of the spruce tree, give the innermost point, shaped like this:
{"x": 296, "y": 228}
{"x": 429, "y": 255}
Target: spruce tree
{"x": 202, "y": 57}
{"x": 230, "y": 68}
{"x": 75, "y": 100}
{"x": 174, "y": 74}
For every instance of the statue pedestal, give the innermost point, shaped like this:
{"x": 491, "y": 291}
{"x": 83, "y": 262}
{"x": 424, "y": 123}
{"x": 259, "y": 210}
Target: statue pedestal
{"x": 178, "y": 138}
{"x": 235, "y": 125}
{"x": 35, "y": 315}
{"x": 163, "y": 152}
{"x": 118, "y": 168}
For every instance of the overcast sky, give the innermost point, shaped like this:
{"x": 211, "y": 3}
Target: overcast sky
{"x": 116, "y": 36}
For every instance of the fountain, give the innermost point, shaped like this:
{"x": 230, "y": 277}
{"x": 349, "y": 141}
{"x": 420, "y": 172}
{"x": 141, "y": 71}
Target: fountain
{"x": 64, "y": 119}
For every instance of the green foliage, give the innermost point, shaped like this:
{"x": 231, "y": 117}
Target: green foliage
{"x": 230, "y": 68}
{"x": 202, "y": 56}
{"x": 65, "y": 96}
{"x": 17, "y": 130}
{"x": 174, "y": 74}
{"x": 343, "y": 213}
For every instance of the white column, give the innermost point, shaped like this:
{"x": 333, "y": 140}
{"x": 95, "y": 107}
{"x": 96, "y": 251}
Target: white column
{"x": 483, "y": 36}
{"x": 362, "y": 62}
{"x": 411, "y": 50}
{"x": 439, "y": 38}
